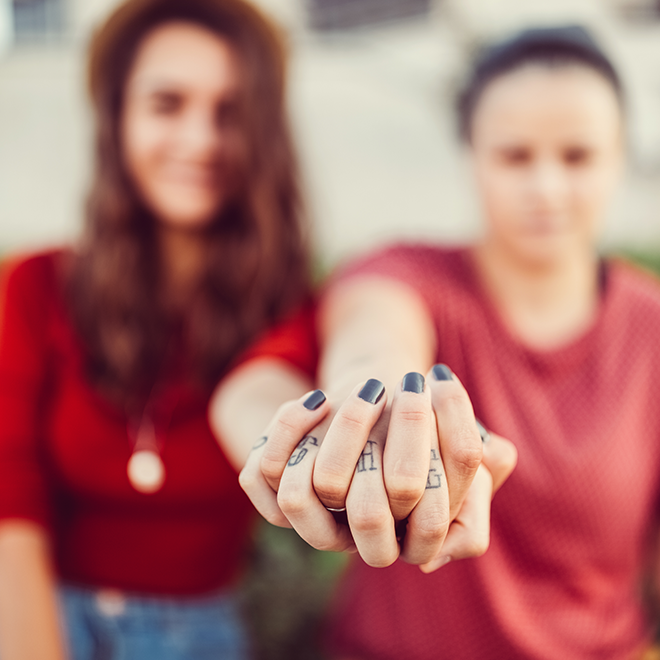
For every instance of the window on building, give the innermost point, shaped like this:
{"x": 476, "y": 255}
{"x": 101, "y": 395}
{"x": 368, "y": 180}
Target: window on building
{"x": 345, "y": 14}
{"x": 640, "y": 11}
{"x": 39, "y": 21}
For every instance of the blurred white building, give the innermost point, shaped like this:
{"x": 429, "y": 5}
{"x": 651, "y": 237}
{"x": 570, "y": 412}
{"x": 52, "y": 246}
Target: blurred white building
{"x": 371, "y": 105}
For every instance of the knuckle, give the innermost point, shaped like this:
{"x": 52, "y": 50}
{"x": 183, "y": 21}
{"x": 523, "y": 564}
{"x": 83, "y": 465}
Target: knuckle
{"x": 350, "y": 421}
{"x": 292, "y": 501}
{"x": 287, "y": 423}
{"x": 432, "y": 526}
{"x": 247, "y": 481}
{"x": 405, "y": 491}
{"x": 329, "y": 489}
{"x": 271, "y": 468}
{"x": 430, "y": 532}
{"x": 450, "y": 394}
{"x": 467, "y": 456}
{"x": 366, "y": 520}
{"x": 413, "y": 415}
{"x": 477, "y": 545}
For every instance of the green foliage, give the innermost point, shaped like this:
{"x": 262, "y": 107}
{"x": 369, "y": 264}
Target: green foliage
{"x": 646, "y": 259}
{"x": 286, "y": 594}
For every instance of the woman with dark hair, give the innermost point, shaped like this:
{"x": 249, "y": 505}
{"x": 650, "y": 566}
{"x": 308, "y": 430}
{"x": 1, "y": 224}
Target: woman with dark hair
{"x": 114, "y": 495}
{"x": 558, "y": 349}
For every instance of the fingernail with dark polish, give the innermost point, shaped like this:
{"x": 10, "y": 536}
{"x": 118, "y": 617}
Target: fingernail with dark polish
{"x": 314, "y": 400}
{"x": 413, "y": 382}
{"x": 372, "y": 392}
{"x": 483, "y": 433}
{"x": 442, "y": 372}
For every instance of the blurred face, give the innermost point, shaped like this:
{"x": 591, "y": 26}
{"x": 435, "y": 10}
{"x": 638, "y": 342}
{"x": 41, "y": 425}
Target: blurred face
{"x": 547, "y": 150}
{"x": 182, "y": 139}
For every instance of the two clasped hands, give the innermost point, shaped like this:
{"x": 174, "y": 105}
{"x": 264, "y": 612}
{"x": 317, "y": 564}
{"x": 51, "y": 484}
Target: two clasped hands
{"x": 412, "y": 468}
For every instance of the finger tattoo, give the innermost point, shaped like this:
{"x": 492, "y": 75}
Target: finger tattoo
{"x": 434, "y": 479}
{"x": 301, "y": 450}
{"x": 367, "y": 460}
{"x": 260, "y": 443}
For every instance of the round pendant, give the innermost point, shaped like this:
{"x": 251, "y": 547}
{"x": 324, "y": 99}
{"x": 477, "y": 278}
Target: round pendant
{"x": 146, "y": 471}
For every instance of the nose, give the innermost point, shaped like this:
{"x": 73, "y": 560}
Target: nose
{"x": 548, "y": 183}
{"x": 199, "y": 136}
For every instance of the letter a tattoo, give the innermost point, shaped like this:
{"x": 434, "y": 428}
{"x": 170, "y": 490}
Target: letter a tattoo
{"x": 367, "y": 461}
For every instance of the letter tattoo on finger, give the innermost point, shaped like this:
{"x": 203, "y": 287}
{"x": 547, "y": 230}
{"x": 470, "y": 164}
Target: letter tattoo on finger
{"x": 260, "y": 443}
{"x": 301, "y": 450}
{"x": 434, "y": 479}
{"x": 367, "y": 460}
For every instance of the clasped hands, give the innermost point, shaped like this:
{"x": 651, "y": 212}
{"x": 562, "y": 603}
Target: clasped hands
{"x": 410, "y": 469}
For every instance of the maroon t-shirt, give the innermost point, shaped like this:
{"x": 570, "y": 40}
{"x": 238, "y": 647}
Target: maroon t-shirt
{"x": 561, "y": 578}
{"x": 64, "y": 450}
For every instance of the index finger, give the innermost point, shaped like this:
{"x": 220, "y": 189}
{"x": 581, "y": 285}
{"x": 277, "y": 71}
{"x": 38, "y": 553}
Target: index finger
{"x": 291, "y": 423}
{"x": 460, "y": 442}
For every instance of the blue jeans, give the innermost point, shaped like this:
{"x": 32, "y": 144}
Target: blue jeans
{"x": 111, "y": 625}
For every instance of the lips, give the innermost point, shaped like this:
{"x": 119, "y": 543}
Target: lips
{"x": 545, "y": 223}
{"x": 191, "y": 176}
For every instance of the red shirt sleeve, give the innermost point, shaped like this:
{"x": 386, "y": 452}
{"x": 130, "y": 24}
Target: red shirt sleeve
{"x": 292, "y": 340}
{"x": 24, "y": 312}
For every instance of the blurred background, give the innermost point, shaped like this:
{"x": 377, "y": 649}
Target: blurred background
{"x": 372, "y": 87}
{"x": 371, "y": 96}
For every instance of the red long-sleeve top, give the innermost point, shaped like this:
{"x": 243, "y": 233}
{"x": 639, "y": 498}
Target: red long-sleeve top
{"x": 569, "y": 529}
{"x": 64, "y": 450}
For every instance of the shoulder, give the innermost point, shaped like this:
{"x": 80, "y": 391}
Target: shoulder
{"x": 36, "y": 269}
{"x": 31, "y": 280}
{"x": 420, "y": 263}
{"x": 636, "y": 288}
{"x": 632, "y": 308}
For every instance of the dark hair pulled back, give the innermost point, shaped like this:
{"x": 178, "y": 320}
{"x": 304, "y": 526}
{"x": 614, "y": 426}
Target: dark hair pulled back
{"x": 548, "y": 47}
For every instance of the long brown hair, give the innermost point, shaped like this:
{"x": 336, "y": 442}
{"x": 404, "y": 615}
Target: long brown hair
{"x": 257, "y": 265}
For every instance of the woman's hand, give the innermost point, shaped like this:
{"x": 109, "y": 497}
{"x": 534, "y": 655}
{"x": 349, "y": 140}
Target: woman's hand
{"x": 386, "y": 465}
{"x": 469, "y": 533}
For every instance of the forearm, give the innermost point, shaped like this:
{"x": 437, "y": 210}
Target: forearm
{"x": 245, "y": 402}
{"x": 373, "y": 329}
{"x": 29, "y": 626}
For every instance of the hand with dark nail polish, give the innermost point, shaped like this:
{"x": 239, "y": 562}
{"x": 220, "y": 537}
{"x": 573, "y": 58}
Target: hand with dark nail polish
{"x": 413, "y": 382}
{"x": 372, "y": 392}
{"x": 314, "y": 400}
{"x": 442, "y": 372}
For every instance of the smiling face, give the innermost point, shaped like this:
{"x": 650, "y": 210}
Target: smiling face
{"x": 547, "y": 151}
{"x": 183, "y": 142}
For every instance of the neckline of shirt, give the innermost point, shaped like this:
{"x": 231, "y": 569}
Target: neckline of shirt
{"x": 563, "y": 356}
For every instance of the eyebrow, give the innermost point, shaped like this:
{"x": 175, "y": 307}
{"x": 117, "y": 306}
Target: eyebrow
{"x": 157, "y": 84}
{"x": 153, "y": 86}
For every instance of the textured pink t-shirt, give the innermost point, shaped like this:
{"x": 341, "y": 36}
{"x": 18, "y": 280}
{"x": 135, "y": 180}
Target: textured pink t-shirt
{"x": 561, "y": 579}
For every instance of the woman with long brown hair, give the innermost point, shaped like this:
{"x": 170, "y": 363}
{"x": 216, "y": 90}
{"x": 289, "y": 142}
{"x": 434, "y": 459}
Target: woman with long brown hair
{"x": 115, "y": 497}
